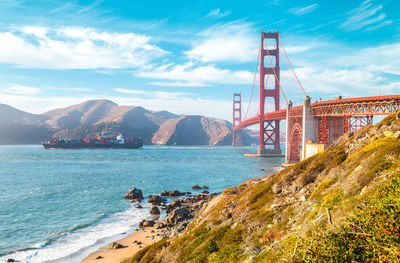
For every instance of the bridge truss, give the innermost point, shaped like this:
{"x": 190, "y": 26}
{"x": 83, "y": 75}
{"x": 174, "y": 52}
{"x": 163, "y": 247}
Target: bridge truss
{"x": 332, "y": 117}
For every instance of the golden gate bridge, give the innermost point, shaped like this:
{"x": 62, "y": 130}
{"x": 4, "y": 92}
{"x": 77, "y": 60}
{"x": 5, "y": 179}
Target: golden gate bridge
{"x": 307, "y": 125}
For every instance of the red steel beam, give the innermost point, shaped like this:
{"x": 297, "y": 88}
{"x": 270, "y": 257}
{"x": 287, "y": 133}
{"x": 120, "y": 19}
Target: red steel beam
{"x": 378, "y": 105}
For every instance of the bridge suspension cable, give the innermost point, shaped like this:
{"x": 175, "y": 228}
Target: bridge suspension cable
{"x": 287, "y": 57}
{"x": 280, "y": 87}
{"x": 273, "y": 69}
{"x": 254, "y": 81}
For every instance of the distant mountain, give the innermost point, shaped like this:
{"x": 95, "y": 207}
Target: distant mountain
{"x": 197, "y": 130}
{"x": 105, "y": 118}
{"x": 95, "y": 118}
{"x": 89, "y": 112}
{"x": 19, "y": 127}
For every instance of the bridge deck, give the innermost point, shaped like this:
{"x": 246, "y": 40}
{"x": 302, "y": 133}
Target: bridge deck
{"x": 377, "y": 105}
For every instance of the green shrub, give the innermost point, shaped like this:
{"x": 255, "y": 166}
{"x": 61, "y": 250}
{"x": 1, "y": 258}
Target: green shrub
{"x": 316, "y": 195}
{"x": 372, "y": 234}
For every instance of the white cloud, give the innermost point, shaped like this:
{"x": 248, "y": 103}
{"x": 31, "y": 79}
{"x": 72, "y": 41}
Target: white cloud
{"x": 199, "y": 75}
{"x": 299, "y": 11}
{"x": 75, "y": 48}
{"x": 327, "y": 81}
{"x": 376, "y": 59}
{"x": 368, "y": 16}
{"x": 228, "y": 42}
{"x": 178, "y": 84}
{"x": 154, "y": 94}
{"x": 131, "y": 91}
{"x": 297, "y": 49}
{"x": 217, "y": 13}
{"x": 21, "y": 90}
{"x": 71, "y": 89}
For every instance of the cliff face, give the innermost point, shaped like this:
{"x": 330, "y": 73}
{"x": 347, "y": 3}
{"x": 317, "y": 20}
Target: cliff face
{"x": 342, "y": 205}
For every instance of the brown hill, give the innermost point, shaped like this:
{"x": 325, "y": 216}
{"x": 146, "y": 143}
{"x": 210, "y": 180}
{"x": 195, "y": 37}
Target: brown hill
{"x": 19, "y": 127}
{"x": 88, "y": 112}
{"x": 95, "y": 118}
{"x": 196, "y": 130}
{"x": 105, "y": 118}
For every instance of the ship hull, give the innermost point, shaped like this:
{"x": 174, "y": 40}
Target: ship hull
{"x": 91, "y": 146}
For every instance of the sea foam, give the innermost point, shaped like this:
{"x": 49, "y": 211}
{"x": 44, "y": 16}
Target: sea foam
{"x": 71, "y": 246}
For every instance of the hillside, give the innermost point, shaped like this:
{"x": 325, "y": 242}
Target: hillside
{"x": 342, "y": 205}
{"x": 105, "y": 118}
{"x": 196, "y": 130}
{"x": 19, "y": 127}
{"x": 95, "y": 118}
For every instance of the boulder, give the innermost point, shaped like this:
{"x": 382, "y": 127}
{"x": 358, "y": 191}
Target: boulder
{"x": 155, "y": 199}
{"x": 164, "y": 193}
{"x": 173, "y": 205}
{"x": 154, "y": 210}
{"x": 160, "y": 224}
{"x": 115, "y": 245}
{"x": 139, "y": 206}
{"x": 10, "y": 260}
{"x": 187, "y": 193}
{"x": 146, "y": 223}
{"x": 134, "y": 194}
{"x": 205, "y": 187}
{"x": 196, "y": 187}
{"x": 205, "y": 192}
{"x": 99, "y": 257}
{"x": 177, "y": 215}
{"x": 174, "y": 193}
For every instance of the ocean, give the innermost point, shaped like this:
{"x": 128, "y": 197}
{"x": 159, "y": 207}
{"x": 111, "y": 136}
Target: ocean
{"x": 61, "y": 205}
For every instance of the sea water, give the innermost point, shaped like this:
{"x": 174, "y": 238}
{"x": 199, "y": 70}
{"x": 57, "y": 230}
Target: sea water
{"x": 60, "y": 205}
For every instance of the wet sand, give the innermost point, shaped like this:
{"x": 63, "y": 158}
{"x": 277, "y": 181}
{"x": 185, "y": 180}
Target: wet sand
{"x": 130, "y": 247}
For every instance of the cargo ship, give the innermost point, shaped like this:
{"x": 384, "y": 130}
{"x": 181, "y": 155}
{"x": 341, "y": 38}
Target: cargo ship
{"x": 95, "y": 143}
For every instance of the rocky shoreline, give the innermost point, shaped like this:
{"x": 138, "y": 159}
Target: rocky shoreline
{"x": 180, "y": 212}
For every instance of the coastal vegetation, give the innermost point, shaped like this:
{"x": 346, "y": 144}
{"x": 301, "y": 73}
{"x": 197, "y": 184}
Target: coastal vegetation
{"x": 342, "y": 205}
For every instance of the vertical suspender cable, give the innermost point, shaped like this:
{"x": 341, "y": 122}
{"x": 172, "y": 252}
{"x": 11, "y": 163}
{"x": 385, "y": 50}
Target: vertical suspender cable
{"x": 254, "y": 80}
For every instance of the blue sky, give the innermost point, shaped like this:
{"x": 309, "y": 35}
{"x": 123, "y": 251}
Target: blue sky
{"x": 188, "y": 57}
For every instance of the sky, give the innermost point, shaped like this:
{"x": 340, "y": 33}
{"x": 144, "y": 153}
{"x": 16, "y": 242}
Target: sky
{"x": 189, "y": 57}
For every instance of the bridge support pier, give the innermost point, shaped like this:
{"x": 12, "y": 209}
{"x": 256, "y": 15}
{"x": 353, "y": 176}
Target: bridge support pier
{"x": 301, "y": 133}
{"x": 312, "y": 134}
{"x": 288, "y": 129}
{"x": 309, "y": 127}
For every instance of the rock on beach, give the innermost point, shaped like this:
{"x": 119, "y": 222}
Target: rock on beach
{"x": 134, "y": 194}
{"x": 155, "y": 199}
{"x": 154, "y": 210}
{"x": 146, "y": 223}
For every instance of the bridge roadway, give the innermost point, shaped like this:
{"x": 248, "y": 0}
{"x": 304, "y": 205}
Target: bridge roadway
{"x": 377, "y": 105}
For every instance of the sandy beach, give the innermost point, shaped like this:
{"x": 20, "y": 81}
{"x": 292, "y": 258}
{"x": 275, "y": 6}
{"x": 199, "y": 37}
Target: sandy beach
{"x": 130, "y": 243}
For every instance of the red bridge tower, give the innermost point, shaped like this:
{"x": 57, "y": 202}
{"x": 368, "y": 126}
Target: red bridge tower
{"x": 237, "y": 113}
{"x": 269, "y": 129}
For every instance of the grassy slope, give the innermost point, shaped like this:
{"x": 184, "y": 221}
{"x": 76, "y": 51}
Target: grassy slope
{"x": 341, "y": 205}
